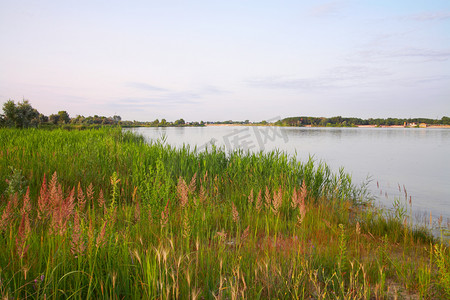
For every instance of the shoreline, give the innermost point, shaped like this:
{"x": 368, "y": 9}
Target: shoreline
{"x": 356, "y": 126}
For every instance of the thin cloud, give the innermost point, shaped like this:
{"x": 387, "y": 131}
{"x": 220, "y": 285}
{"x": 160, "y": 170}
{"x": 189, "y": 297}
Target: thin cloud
{"x": 355, "y": 72}
{"x": 428, "y": 54}
{"x": 415, "y": 81}
{"x": 407, "y": 81}
{"x": 179, "y": 99}
{"x": 429, "y": 16}
{"x": 338, "y": 77}
{"x": 381, "y": 40}
{"x": 145, "y": 86}
{"x": 291, "y": 83}
{"x": 414, "y": 54}
{"x": 212, "y": 90}
{"x": 204, "y": 90}
{"x": 327, "y": 9}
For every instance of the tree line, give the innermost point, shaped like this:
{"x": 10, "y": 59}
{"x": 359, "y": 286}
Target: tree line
{"x": 23, "y": 115}
{"x": 343, "y": 122}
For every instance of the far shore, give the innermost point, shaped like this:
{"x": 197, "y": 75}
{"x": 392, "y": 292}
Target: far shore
{"x": 401, "y": 126}
{"x": 357, "y": 126}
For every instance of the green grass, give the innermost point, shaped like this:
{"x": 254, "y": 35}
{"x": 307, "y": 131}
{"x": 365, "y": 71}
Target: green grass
{"x": 116, "y": 218}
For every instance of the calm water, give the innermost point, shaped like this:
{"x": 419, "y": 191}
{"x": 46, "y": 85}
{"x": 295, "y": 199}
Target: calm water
{"x": 418, "y": 159}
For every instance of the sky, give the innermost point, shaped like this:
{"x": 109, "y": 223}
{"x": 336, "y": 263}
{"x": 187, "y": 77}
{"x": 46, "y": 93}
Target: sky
{"x": 227, "y": 60}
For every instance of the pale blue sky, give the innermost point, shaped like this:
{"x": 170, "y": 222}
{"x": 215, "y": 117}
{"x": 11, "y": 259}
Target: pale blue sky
{"x": 221, "y": 60}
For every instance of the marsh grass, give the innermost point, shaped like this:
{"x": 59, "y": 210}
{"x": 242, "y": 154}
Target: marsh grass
{"x": 107, "y": 216}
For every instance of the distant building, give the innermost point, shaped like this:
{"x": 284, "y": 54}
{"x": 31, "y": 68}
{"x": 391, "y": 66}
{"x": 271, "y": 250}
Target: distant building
{"x": 423, "y": 125}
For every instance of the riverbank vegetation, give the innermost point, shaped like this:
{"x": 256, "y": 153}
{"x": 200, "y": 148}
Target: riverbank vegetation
{"x": 23, "y": 115}
{"x": 101, "y": 214}
{"x": 352, "y": 122}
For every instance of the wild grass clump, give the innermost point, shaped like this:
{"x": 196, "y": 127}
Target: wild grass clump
{"x": 104, "y": 215}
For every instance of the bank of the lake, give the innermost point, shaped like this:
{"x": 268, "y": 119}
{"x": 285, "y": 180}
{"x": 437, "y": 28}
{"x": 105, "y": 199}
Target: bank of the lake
{"x": 102, "y": 214}
{"x": 414, "y": 159}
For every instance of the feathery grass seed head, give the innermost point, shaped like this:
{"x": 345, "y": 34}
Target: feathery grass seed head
{"x": 234, "y": 213}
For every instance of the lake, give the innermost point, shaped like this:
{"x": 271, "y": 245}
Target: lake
{"x": 415, "y": 159}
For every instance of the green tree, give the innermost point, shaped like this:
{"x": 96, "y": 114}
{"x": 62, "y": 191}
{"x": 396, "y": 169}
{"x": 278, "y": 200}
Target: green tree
{"x": 27, "y": 115}
{"x": 117, "y": 119}
{"x": 179, "y": 122}
{"x": 63, "y": 117}
{"x": 324, "y": 122}
{"x": 43, "y": 119}
{"x": 77, "y": 120}
{"x": 54, "y": 119}
{"x": 10, "y": 113}
{"x": 21, "y": 115}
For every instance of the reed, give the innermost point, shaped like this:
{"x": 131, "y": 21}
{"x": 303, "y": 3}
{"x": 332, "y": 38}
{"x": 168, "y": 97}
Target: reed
{"x": 120, "y": 218}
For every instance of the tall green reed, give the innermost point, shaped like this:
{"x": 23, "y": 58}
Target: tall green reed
{"x": 124, "y": 219}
